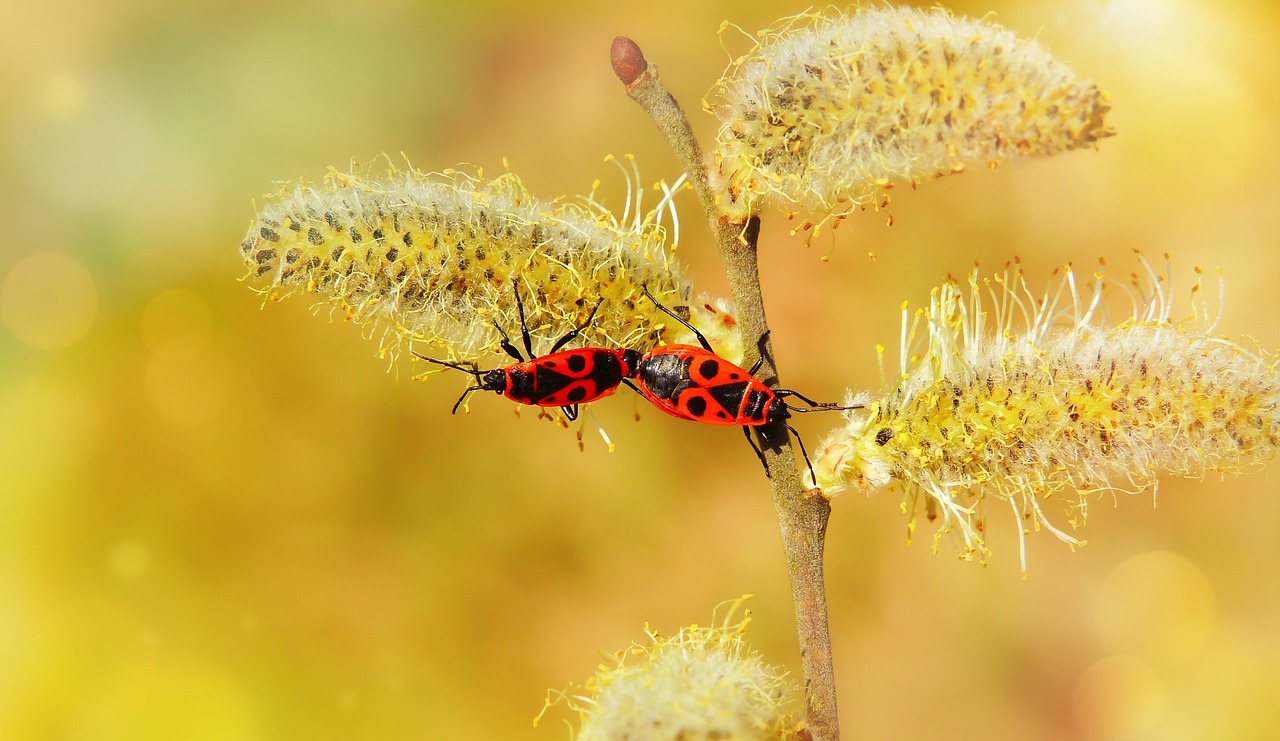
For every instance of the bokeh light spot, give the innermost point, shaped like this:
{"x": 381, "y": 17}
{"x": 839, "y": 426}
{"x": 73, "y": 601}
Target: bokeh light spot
{"x": 168, "y": 697}
{"x": 63, "y": 97}
{"x": 48, "y": 300}
{"x": 348, "y": 702}
{"x": 1158, "y": 606}
{"x": 180, "y": 197}
{"x": 82, "y": 148}
{"x": 173, "y": 314}
{"x": 23, "y": 634}
{"x": 130, "y": 559}
{"x": 189, "y": 380}
{"x": 1118, "y": 697}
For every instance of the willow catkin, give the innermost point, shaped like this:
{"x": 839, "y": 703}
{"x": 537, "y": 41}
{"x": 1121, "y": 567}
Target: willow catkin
{"x": 433, "y": 258}
{"x": 702, "y": 684}
{"x": 1051, "y": 398}
{"x": 829, "y": 110}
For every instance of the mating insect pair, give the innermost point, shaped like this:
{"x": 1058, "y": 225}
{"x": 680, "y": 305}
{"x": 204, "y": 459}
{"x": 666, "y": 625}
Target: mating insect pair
{"x": 684, "y": 381}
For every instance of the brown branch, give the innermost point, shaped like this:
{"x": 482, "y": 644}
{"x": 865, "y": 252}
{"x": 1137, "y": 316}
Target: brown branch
{"x": 802, "y": 515}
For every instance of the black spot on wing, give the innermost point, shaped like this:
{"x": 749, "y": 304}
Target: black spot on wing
{"x": 577, "y": 363}
{"x": 697, "y": 405}
{"x": 708, "y": 369}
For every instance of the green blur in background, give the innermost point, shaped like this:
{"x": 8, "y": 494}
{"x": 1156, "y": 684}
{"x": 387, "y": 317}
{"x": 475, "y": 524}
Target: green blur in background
{"x": 225, "y": 520}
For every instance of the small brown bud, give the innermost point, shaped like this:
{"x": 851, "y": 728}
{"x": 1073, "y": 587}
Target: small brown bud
{"x": 627, "y": 60}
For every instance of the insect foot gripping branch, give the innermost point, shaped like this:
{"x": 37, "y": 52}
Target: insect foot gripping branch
{"x": 1052, "y": 398}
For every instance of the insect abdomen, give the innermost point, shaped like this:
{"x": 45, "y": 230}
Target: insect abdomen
{"x": 692, "y": 383}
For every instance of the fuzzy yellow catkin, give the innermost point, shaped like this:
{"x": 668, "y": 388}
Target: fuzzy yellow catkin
{"x": 432, "y": 257}
{"x": 1025, "y": 398}
{"x": 830, "y": 109}
{"x": 702, "y": 684}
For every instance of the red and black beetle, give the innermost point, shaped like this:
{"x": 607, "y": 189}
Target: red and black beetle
{"x": 561, "y": 378}
{"x": 696, "y": 384}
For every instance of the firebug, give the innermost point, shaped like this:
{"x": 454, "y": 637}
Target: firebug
{"x": 694, "y": 383}
{"x": 561, "y": 378}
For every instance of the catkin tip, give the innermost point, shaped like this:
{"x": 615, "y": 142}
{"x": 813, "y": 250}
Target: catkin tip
{"x": 1011, "y": 398}
{"x": 701, "y": 684}
{"x": 830, "y": 109}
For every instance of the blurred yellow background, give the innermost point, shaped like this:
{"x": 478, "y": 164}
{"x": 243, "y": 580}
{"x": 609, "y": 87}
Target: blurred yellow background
{"x": 220, "y": 520}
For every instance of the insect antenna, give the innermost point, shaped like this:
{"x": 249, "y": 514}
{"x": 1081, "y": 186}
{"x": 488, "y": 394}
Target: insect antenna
{"x": 815, "y": 406}
{"x": 472, "y": 370}
{"x": 469, "y": 368}
{"x": 825, "y": 407}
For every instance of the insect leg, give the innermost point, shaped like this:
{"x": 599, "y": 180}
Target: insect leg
{"x": 746, "y": 430}
{"x": 524, "y": 328}
{"x": 505, "y": 344}
{"x": 760, "y": 346}
{"x": 463, "y": 398}
{"x": 569, "y": 337}
{"x": 701, "y": 338}
{"x": 803, "y": 452}
{"x": 570, "y": 411}
{"x": 472, "y": 370}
